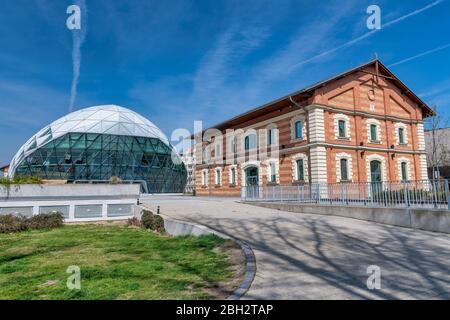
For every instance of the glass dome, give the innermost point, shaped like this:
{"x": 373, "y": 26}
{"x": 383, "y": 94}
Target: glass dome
{"x": 97, "y": 143}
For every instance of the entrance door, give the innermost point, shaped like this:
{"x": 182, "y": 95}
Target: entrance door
{"x": 252, "y": 182}
{"x": 251, "y": 175}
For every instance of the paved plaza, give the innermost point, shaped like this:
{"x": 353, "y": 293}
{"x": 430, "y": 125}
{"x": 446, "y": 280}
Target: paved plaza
{"x": 304, "y": 256}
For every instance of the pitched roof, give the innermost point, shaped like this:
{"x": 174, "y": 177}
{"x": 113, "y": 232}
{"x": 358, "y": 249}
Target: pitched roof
{"x": 305, "y": 91}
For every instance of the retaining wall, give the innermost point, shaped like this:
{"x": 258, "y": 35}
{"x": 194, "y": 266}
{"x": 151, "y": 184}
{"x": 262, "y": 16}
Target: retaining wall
{"x": 423, "y": 219}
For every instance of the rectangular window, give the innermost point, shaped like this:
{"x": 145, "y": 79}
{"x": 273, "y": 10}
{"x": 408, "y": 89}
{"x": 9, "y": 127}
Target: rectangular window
{"x": 404, "y": 168}
{"x": 233, "y": 145}
{"x": 204, "y": 178}
{"x": 300, "y": 170}
{"x": 341, "y": 126}
{"x": 233, "y": 176}
{"x": 299, "y": 130}
{"x": 401, "y": 136}
{"x": 273, "y": 176}
{"x": 271, "y": 137}
{"x": 344, "y": 170}
{"x": 373, "y": 132}
{"x": 218, "y": 177}
{"x": 217, "y": 151}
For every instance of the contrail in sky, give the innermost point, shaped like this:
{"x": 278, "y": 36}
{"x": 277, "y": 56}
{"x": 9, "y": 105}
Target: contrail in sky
{"x": 370, "y": 33}
{"x": 78, "y": 37}
{"x": 420, "y": 55}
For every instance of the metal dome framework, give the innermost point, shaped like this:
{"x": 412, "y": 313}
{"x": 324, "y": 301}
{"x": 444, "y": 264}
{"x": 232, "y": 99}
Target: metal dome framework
{"x": 97, "y": 143}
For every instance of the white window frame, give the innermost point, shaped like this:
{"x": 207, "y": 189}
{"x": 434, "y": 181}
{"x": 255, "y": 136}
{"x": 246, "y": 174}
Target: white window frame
{"x": 218, "y": 176}
{"x": 230, "y": 181}
{"x": 276, "y": 163}
{"x": 292, "y": 124}
{"x": 251, "y": 163}
{"x": 247, "y": 134}
{"x": 272, "y": 128}
{"x": 380, "y": 158}
{"x": 205, "y": 177}
{"x": 349, "y": 159}
{"x": 397, "y": 126}
{"x": 294, "y": 158}
{"x": 408, "y": 168}
{"x": 377, "y": 123}
{"x": 232, "y": 145}
{"x": 346, "y": 119}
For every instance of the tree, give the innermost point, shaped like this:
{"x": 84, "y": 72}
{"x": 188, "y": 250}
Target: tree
{"x": 438, "y": 145}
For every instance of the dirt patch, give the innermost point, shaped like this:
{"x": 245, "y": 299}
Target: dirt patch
{"x": 238, "y": 264}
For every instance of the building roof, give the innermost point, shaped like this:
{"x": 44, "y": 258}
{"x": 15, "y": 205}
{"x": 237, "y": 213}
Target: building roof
{"x": 104, "y": 119}
{"x": 305, "y": 92}
{"x": 4, "y": 167}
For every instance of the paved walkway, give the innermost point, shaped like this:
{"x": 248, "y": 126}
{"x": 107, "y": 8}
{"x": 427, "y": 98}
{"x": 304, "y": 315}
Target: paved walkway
{"x": 303, "y": 256}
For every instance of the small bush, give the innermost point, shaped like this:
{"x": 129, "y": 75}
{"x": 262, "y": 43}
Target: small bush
{"x": 46, "y": 221}
{"x": 11, "y": 223}
{"x": 115, "y": 180}
{"x": 134, "y": 222}
{"x": 152, "y": 221}
{"x": 18, "y": 180}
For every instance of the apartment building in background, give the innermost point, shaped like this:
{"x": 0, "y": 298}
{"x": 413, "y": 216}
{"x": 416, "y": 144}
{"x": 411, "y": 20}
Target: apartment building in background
{"x": 188, "y": 159}
{"x": 363, "y": 125}
{"x": 4, "y": 171}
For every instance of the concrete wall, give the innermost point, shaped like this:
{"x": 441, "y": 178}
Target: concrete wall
{"x": 81, "y": 191}
{"x": 424, "y": 219}
{"x": 87, "y": 202}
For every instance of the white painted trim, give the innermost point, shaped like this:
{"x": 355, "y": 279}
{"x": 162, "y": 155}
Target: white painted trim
{"x": 205, "y": 177}
{"x": 316, "y": 122}
{"x": 377, "y": 123}
{"x": 318, "y": 163}
{"x": 348, "y": 157}
{"x": 405, "y": 131}
{"x": 236, "y": 174}
{"x": 383, "y": 166}
{"x": 408, "y": 168}
{"x": 276, "y": 162}
{"x": 218, "y": 176}
{"x": 423, "y": 167}
{"x": 421, "y": 137}
{"x": 301, "y": 118}
{"x": 343, "y": 117}
{"x": 294, "y": 159}
{"x": 244, "y": 166}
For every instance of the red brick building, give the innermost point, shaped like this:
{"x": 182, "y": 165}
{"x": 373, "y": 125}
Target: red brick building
{"x": 363, "y": 125}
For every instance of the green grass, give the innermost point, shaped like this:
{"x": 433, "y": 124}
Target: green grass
{"x": 116, "y": 262}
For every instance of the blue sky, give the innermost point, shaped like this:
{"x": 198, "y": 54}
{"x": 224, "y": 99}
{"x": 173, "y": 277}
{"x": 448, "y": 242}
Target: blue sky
{"x": 176, "y": 61}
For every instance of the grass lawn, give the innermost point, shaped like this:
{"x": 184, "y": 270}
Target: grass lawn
{"x": 116, "y": 262}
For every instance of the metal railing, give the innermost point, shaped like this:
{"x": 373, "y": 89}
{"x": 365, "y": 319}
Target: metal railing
{"x": 407, "y": 194}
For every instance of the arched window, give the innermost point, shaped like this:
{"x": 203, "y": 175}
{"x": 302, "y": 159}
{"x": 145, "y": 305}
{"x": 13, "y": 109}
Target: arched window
{"x": 300, "y": 170}
{"x": 250, "y": 142}
{"x": 344, "y": 170}
{"x": 404, "y": 171}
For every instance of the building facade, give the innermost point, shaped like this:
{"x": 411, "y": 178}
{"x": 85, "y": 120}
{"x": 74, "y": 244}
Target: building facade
{"x": 363, "y": 125}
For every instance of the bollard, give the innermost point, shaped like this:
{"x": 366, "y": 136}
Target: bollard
{"x": 157, "y": 210}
